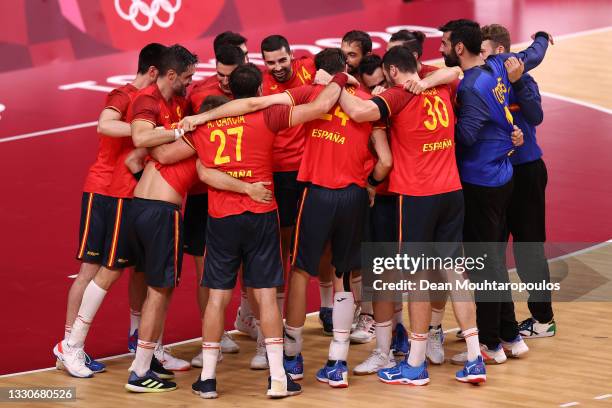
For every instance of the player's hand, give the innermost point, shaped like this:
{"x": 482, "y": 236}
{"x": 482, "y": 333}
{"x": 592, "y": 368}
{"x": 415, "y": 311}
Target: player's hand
{"x": 515, "y": 68}
{"x": 322, "y": 77}
{"x": 259, "y": 192}
{"x": 550, "y": 37}
{"x": 517, "y": 136}
{"x": 378, "y": 90}
{"x": 188, "y": 123}
{"x": 416, "y": 87}
{"x": 351, "y": 80}
{"x": 371, "y": 194}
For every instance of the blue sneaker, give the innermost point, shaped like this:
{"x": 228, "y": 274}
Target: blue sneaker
{"x": 399, "y": 343}
{"x": 133, "y": 341}
{"x": 294, "y": 366}
{"x": 473, "y": 372}
{"x": 93, "y": 365}
{"x": 334, "y": 373}
{"x": 325, "y": 317}
{"x": 403, "y": 373}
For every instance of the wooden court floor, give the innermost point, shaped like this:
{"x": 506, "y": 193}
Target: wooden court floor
{"x": 572, "y": 367}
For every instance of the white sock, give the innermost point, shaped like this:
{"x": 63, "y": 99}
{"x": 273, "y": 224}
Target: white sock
{"x": 473, "y": 345}
{"x": 274, "y": 349}
{"x": 134, "y": 320}
{"x": 418, "y": 345}
{"x": 92, "y": 299}
{"x": 398, "y": 313}
{"x": 210, "y": 354}
{"x": 366, "y": 308}
{"x": 245, "y": 307}
{"x": 436, "y": 317}
{"x": 326, "y": 290}
{"x": 67, "y": 330}
{"x": 356, "y": 288}
{"x": 383, "y": 336}
{"x": 342, "y": 318}
{"x": 280, "y": 301}
{"x": 144, "y": 355}
{"x": 293, "y": 340}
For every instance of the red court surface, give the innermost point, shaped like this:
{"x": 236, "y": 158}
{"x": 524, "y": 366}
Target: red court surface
{"x": 43, "y": 170}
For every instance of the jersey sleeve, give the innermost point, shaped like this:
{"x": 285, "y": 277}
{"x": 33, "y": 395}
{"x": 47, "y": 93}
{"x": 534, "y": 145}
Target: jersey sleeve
{"x": 278, "y": 117}
{"x": 300, "y": 95}
{"x": 188, "y": 138}
{"x": 392, "y": 101}
{"x": 146, "y": 108}
{"x": 118, "y": 101}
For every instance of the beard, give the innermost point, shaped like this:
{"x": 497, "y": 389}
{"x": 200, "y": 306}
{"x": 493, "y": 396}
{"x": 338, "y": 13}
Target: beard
{"x": 282, "y": 75}
{"x": 451, "y": 60}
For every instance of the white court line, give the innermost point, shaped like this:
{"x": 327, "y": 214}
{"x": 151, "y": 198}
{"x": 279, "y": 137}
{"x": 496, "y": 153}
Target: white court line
{"x": 601, "y": 397}
{"x": 569, "y": 404}
{"x": 577, "y": 102}
{"x": 431, "y": 61}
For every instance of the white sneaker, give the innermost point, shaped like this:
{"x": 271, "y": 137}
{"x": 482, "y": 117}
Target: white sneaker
{"x": 356, "y": 315}
{"x": 435, "y": 347}
{"x": 375, "y": 362}
{"x": 197, "y": 360}
{"x": 260, "y": 359}
{"x": 169, "y": 361}
{"x": 72, "y": 359}
{"x": 365, "y": 330}
{"x": 496, "y": 356}
{"x": 246, "y": 324}
{"x": 515, "y": 348}
{"x": 228, "y": 345}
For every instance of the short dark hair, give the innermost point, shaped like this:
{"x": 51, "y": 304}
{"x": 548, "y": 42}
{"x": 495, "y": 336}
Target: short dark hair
{"x": 213, "y": 101}
{"x": 228, "y": 37}
{"x": 330, "y": 60}
{"x": 274, "y": 43}
{"x": 150, "y": 56}
{"x": 229, "y": 55}
{"x": 466, "y": 32}
{"x": 369, "y": 64}
{"x": 361, "y": 37}
{"x": 245, "y": 81}
{"x": 178, "y": 58}
{"x": 498, "y": 34}
{"x": 411, "y": 39}
{"x": 402, "y": 58}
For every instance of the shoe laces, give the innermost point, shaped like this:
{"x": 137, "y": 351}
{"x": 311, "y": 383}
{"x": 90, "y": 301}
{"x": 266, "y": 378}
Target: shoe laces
{"x": 226, "y": 336}
{"x": 375, "y": 357}
{"x": 363, "y": 322}
{"x": 81, "y": 356}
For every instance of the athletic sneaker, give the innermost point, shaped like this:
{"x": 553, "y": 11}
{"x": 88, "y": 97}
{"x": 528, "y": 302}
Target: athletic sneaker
{"x": 93, "y": 365}
{"x": 169, "y": 361}
{"x": 133, "y": 341}
{"x": 404, "y": 373}
{"x": 496, "y": 356}
{"x": 294, "y": 366}
{"x": 356, "y": 317}
{"x": 246, "y": 324}
{"x": 281, "y": 389}
{"x": 260, "y": 359}
{"x": 325, "y": 318}
{"x": 399, "y": 342}
{"x": 515, "y": 348}
{"x": 365, "y": 330}
{"x": 197, "y": 360}
{"x": 473, "y": 372}
{"x": 533, "y": 329}
{"x": 148, "y": 383}
{"x": 72, "y": 359}
{"x": 158, "y": 369}
{"x": 334, "y": 373}
{"x": 206, "y": 389}
{"x": 375, "y": 361}
{"x": 228, "y": 345}
{"x": 435, "y": 345}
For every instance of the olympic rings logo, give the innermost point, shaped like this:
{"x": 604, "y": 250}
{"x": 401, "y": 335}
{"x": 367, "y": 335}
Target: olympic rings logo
{"x": 150, "y": 12}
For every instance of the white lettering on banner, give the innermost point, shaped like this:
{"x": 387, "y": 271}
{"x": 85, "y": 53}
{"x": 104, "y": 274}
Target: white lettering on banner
{"x": 428, "y": 31}
{"x": 88, "y": 85}
{"x": 150, "y": 12}
{"x": 120, "y": 79}
{"x": 2, "y": 107}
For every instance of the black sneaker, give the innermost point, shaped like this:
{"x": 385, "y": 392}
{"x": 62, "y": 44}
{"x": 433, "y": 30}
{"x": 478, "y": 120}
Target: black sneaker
{"x": 206, "y": 389}
{"x": 149, "y": 383}
{"x": 278, "y": 389}
{"x": 160, "y": 371}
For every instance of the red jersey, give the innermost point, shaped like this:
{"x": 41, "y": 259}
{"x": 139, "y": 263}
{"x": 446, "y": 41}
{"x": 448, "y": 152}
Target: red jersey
{"x": 422, "y": 141}
{"x": 289, "y": 144}
{"x": 426, "y": 69}
{"x": 148, "y": 105}
{"x": 336, "y": 149}
{"x": 182, "y": 176}
{"x": 241, "y": 146}
{"x": 100, "y": 174}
